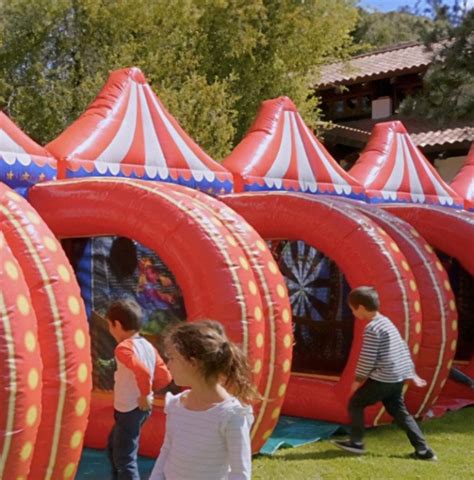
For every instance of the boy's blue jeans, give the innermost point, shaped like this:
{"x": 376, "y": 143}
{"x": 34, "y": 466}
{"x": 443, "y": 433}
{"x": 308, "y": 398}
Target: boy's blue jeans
{"x": 123, "y": 443}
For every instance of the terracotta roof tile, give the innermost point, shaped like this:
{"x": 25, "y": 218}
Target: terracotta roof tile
{"x": 388, "y": 61}
{"x": 440, "y": 137}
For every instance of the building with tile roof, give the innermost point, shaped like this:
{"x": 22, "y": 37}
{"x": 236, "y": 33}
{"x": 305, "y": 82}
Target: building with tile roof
{"x": 368, "y": 89}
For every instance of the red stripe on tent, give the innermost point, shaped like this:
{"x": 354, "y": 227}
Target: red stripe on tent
{"x": 174, "y": 157}
{"x": 266, "y": 160}
{"x": 320, "y": 172}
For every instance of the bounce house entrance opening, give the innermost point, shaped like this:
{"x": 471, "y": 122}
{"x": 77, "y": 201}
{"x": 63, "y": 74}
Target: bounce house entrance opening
{"x": 322, "y": 321}
{"x": 112, "y": 268}
{"x": 462, "y": 283}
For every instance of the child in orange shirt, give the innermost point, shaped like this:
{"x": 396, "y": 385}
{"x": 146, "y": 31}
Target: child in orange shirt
{"x": 139, "y": 368}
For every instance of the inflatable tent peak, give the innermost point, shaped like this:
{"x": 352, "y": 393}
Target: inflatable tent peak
{"x": 126, "y": 131}
{"x": 393, "y": 169}
{"x": 463, "y": 182}
{"x": 280, "y": 152}
{"x": 22, "y": 161}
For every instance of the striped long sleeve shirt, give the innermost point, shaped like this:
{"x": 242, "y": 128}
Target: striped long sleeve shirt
{"x": 213, "y": 444}
{"x": 384, "y": 355}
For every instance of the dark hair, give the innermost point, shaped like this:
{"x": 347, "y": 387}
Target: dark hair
{"x": 365, "y": 296}
{"x": 217, "y": 356}
{"x": 127, "y": 312}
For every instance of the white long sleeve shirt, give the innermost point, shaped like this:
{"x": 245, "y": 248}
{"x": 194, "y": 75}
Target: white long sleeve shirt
{"x": 213, "y": 444}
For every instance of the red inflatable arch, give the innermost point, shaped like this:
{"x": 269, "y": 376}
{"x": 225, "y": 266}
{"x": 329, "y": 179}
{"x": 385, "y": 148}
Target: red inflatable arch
{"x": 20, "y": 376}
{"x": 62, "y": 335}
{"x": 205, "y": 257}
{"x": 451, "y": 232}
{"x": 448, "y": 230}
{"x": 365, "y": 253}
{"x": 439, "y": 325}
{"x": 276, "y": 313}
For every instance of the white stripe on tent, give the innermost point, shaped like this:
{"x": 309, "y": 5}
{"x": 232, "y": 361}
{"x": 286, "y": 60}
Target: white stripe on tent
{"x": 91, "y": 140}
{"x": 198, "y": 169}
{"x": 305, "y": 174}
{"x": 416, "y": 189}
{"x": 123, "y": 140}
{"x": 340, "y": 184}
{"x": 444, "y": 196}
{"x": 390, "y": 189}
{"x": 7, "y": 144}
{"x": 282, "y": 160}
{"x": 154, "y": 158}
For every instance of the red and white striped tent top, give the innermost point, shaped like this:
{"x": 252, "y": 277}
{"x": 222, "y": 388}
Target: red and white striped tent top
{"x": 463, "y": 182}
{"x": 393, "y": 169}
{"x": 280, "y": 152}
{"x": 126, "y": 131}
{"x": 22, "y": 161}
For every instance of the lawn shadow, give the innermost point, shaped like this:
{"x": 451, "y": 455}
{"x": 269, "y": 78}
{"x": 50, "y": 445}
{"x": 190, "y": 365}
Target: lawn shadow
{"x": 326, "y": 455}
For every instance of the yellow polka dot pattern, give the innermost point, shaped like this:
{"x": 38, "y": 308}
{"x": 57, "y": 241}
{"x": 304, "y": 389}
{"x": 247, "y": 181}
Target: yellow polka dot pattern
{"x": 81, "y": 406}
{"x": 259, "y": 340}
{"x": 80, "y": 339}
{"x": 258, "y": 366}
{"x": 31, "y": 415}
{"x": 23, "y": 304}
{"x": 258, "y": 314}
{"x": 30, "y": 341}
{"x": 64, "y": 274}
{"x": 50, "y": 244}
{"x": 82, "y": 372}
{"x": 33, "y": 379}
{"x": 281, "y": 291}
{"x": 74, "y": 305}
{"x": 69, "y": 470}
{"x": 26, "y": 451}
{"x": 11, "y": 270}
{"x": 76, "y": 439}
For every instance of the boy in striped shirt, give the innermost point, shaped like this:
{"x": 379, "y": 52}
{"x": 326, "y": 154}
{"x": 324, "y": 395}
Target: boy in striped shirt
{"x": 383, "y": 367}
{"x": 139, "y": 370}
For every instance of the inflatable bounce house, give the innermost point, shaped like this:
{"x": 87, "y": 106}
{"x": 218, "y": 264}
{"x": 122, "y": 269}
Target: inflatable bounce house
{"x": 124, "y": 204}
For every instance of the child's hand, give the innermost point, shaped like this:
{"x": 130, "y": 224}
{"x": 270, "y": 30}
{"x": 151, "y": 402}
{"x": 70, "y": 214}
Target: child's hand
{"x": 419, "y": 382}
{"x": 144, "y": 403}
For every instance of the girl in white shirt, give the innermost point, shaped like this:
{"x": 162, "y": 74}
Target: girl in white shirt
{"x": 207, "y": 428}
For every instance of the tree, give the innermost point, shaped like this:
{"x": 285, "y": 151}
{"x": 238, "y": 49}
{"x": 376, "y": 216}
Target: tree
{"x": 211, "y": 61}
{"x": 377, "y": 29}
{"x": 448, "y": 90}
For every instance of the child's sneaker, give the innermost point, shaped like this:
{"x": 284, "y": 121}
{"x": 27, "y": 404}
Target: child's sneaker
{"x": 425, "y": 455}
{"x": 349, "y": 446}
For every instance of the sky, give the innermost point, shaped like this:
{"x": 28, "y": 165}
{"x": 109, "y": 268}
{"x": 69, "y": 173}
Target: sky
{"x": 390, "y": 5}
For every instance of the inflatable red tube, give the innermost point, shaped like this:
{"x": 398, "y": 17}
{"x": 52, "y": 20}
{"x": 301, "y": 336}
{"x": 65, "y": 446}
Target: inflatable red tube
{"x": 439, "y": 325}
{"x": 62, "y": 335}
{"x": 364, "y": 252}
{"x": 449, "y": 231}
{"x": 276, "y": 314}
{"x": 20, "y": 375}
{"x": 204, "y": 256}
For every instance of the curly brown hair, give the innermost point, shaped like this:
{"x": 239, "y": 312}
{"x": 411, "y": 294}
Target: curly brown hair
{"x": 218, "y": 357}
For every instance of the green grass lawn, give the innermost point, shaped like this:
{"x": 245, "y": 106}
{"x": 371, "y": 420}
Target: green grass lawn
{"x": 387, "y": 457}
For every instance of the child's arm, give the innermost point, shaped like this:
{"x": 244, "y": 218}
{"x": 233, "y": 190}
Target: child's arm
{"x": 162, "y": 376}
{"x": 367, "y": 358}
{"x": 237, "y": 436}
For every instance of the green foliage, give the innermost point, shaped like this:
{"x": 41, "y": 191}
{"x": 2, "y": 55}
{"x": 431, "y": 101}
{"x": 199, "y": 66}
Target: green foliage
{"x": 377, "y": 30}
{"x": 448, "y": 92}
{"x": 211, "y": 61}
